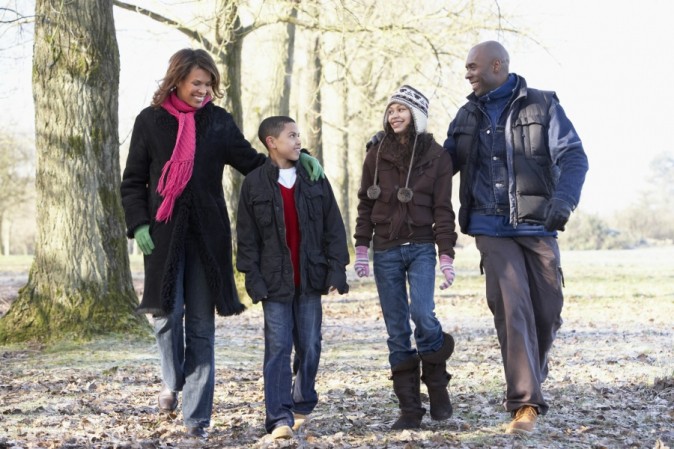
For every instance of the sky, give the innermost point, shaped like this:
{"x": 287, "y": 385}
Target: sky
{"x": 607, "y": 61}
{"x": 609, "y": 65}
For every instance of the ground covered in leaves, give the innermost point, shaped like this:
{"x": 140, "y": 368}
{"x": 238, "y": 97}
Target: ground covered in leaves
{"x": 611, "y": 383}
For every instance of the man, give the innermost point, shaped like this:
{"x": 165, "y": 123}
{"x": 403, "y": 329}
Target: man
{"x": 522, "y": 169}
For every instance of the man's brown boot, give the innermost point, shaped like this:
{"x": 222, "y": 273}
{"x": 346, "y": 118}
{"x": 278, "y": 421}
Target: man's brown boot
{"x": 524, "y": 421}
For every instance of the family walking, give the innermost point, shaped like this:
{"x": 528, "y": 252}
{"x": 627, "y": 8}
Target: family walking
{"x": 522, "y": 168}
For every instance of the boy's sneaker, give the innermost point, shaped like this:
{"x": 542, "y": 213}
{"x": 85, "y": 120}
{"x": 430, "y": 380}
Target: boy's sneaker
{"x": 282, "y": 433}
{"x": 300, "y": 419}
{"x": 524, "y": 421}
{"x": 197, "y": 431}
{"x": 168, "y": 400}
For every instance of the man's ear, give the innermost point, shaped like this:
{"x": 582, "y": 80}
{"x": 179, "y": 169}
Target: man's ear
{"x": 270, "y": 141}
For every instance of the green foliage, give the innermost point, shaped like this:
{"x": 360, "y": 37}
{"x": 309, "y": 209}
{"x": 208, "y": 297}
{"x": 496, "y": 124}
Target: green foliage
{"x": 648, "y": 221}
{"x": 651, "y": 218}
{"x": 589, "y": 231}
{"x": 662, "y": 172}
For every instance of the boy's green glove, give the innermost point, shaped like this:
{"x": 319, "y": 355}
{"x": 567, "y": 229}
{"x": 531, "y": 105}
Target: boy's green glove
{"x": 142, "y": 236}
{"x": 312, "y": 166}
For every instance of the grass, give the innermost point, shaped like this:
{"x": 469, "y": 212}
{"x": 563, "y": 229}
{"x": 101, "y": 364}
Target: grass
{"x": 611, "y": 383}
{"x": 22, "y": 263}
{"x": 15, "y": 264}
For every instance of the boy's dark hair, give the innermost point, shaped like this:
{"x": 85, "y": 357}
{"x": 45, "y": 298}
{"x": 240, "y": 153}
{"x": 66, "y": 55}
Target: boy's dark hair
{"x": 272, "y": 126}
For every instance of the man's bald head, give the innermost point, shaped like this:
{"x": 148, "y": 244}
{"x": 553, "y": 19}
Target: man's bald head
{"x": 495, "y": 52}
{"x": 487, "y": 66}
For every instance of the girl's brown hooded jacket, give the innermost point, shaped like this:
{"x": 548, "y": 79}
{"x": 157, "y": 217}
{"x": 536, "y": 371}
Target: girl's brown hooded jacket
{"x": 427, "y": 218}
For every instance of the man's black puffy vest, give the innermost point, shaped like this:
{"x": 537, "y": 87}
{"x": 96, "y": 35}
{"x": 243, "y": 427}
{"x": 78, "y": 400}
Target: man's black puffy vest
{"x": 535, "y": 175}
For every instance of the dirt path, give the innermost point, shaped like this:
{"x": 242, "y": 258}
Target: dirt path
{"x": 611, "y": 382}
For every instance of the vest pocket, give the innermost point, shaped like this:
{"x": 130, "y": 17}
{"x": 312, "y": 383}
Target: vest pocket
{"x": 532, "y": 208}
{"x": 530, "y": 138}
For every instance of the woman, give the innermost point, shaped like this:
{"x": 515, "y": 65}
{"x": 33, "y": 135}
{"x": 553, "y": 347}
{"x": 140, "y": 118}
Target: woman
{"x": 405, "y": 202}
{"x": 175, "y": 209}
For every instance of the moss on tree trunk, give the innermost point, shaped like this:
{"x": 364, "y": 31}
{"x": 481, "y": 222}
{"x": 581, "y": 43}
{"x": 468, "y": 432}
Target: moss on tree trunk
{"x": 80, "y": 314}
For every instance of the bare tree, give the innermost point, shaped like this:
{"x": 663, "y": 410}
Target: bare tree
{"x": 651, "y": 216}
{"x": 80, "y": 283}
{"x": 361, "y": 50}
{"x": 367, "y": 50}
{"x": 221, "y": 34}
{"x": 314, "y": 115}
{"x": 16, "y": 177}
{"x": 289, "y": 60}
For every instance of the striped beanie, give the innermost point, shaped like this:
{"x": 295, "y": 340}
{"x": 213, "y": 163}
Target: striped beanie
{"x": 415, "y": 101}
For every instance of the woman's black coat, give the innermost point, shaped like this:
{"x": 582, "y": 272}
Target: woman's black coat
{"x": 200, "y": 210}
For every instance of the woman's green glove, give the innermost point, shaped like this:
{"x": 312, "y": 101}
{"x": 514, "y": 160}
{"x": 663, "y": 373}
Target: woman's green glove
{"x": 142, "y": 236}
{"x": 312, "y": 166}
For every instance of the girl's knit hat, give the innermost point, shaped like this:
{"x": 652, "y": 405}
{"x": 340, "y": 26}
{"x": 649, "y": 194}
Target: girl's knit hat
{"x": 415, "y": 101}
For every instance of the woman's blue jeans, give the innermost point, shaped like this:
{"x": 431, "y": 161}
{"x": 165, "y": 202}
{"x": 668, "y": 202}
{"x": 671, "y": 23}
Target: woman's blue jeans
{"x": 187, "y": 350}
{"x": 298, "y": 323}
{"x": 393, "y": 268}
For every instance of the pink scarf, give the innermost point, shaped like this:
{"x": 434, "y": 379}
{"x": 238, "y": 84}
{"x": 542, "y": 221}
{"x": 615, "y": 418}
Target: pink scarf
{"x": 178, "y": 170}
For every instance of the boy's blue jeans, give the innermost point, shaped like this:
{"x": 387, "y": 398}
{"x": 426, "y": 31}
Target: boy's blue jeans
{"x": 393, "y": 268}
{"x": 187, "y": 351}
{"x": 297, "y": 322}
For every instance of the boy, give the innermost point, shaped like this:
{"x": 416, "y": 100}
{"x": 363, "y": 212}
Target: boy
{"x": 292, "y": 249}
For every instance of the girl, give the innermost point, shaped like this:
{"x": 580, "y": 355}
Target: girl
{"x": 405, "y": 209}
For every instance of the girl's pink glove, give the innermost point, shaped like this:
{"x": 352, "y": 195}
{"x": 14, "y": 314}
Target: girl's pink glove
{"x": 362, "y": 264}
{"x": 447, "y": 268}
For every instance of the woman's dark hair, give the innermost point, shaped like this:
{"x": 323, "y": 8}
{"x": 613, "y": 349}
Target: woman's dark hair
{"x": 409, "y": 136}
{"x": 180, "y": 65}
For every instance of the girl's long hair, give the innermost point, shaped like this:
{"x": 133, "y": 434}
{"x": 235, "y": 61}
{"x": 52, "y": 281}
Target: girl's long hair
{"x": 180, "y": 65}
{"x": 410, "y": 133}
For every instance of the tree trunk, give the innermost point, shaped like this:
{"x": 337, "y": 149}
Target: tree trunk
{"x": 344, "y": 166}
{"x": 80, "y": 283}
{"x": 230, "y": 66}
{"x": 315, "y": 118}
{"x": 6, "y": 227}
{"x": 284, "y": 102}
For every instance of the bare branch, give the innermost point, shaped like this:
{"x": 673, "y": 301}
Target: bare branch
{"x": 20, "y": 19}
{"x": 189, "y": 32}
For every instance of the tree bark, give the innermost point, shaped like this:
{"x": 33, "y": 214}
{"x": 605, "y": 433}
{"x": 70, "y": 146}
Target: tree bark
{"x": 79, "y": 283}
{"x": 344, "y": 177}
{"x": 230, "y": 40}
{"x": 5, "y": 231}
{"x": 284, "y": 102}
{"x": 314, "y": 117}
